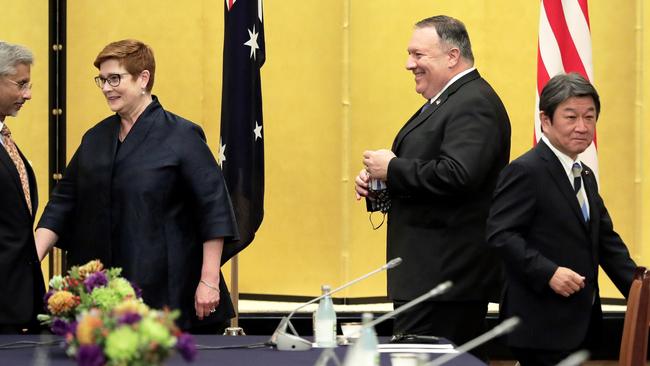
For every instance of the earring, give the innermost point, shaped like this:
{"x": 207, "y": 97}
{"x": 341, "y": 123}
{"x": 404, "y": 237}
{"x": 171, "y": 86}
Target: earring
{"x": 143, "y": 91}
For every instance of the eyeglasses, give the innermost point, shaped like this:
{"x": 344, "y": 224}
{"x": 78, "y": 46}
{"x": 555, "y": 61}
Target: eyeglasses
{"x": 23, "y": 85}
{"x": 112, "y": 79}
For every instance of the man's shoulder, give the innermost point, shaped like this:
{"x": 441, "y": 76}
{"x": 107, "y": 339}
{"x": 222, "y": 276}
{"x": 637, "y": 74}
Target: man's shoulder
{"x": 528, "y": 162}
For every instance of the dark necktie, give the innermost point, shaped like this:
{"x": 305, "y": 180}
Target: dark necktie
{"x": 9, "y": 145}
{"x": 579, "y": 189}
{"x": 425, "y": 106}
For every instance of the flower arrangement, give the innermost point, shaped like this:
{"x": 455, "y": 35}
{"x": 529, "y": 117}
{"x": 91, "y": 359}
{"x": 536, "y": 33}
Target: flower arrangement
{"x": 104, "y": 321}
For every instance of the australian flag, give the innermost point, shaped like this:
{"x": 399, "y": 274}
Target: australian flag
{"x": 241, "y": 149}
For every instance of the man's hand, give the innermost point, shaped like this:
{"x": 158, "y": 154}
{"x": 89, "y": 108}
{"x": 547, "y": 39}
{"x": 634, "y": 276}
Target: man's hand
{"x": 361, "y": 184}
{"x": 376, "y": 162}
{"x": 565, "y": 282}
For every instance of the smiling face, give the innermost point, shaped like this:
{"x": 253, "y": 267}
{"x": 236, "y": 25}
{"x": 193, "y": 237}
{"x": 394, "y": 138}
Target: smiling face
{"x": 430, "y": 61}
{"x": 12, "y": 97}
{"x": 127, "y": 96}
{"x": 572, "y": 128}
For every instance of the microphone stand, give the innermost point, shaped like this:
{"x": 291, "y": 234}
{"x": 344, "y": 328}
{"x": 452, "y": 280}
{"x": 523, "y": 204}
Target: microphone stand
{"x": 506, "y": 326}
{"x": 575, "y": 359}
{"x": 284, "y": 341}
{"x": 441, "y": 288}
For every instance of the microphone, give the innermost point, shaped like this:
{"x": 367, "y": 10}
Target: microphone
{"x": 292, "y": 342}
{"x": 575, "y": 359}
{"x": 505, "y": 327}
{"x": 440, "y": 289}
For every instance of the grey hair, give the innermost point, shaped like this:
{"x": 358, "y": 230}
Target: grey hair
{"x": 562, "y": 87}
{"x": 12, "y": 55}
{"x": 451, "y": 31}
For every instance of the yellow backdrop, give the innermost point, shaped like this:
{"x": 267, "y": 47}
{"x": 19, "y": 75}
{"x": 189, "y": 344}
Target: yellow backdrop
{"x": 334, "y": 84}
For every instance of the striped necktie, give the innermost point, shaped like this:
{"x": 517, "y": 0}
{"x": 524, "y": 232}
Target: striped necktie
{"x": 9, "y": 145}
{"x": 580, "y": 189}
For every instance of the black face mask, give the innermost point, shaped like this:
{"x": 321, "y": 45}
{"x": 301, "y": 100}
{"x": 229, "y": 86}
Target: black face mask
{"x": 378, "y": 200}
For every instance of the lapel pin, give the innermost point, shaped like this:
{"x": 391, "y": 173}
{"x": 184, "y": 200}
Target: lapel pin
{"x": 438, "y": 102}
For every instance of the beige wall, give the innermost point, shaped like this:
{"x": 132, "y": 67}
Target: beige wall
{"x": 334, "y": 85}
{"x": 24, "y": 25}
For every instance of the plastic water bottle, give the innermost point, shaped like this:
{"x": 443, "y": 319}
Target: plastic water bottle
{"x": 364, "y": 352}
{"x": 325, "y": 321}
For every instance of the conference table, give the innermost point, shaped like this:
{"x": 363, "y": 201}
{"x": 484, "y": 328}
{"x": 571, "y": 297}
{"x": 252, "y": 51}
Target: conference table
{"x": 51, "y": 353}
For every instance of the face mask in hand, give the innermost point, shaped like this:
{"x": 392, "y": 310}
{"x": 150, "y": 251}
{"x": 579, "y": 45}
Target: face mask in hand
{"x": 378, "y": 200}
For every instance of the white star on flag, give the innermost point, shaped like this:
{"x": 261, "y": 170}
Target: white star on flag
{"x": 252, "y": 43}
{"x": 222, "y": 152}
{"x": 258, "y": 131}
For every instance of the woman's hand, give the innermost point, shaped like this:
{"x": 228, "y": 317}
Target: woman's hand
{"x": 207, "y": 297}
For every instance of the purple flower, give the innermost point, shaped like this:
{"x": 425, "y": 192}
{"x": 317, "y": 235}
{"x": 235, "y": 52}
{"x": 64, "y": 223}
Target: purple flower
{"x": 46, "y": 297}
{"x": 90, "y": 355}
{"x": 186, "y": 347}
{"x": 129, "y": 318}
{"x": 137, "y": 289}
{"x": 60, "y": 327}
{"x": 97, "y": 279}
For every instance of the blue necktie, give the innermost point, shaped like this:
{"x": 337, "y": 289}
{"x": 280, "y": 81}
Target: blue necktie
{"x": 579, "y": 189}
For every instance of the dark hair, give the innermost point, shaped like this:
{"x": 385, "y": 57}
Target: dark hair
{"x": 564, "y": 86}
{"x": 134, "y": 55}
{"x": 451, "y": 31}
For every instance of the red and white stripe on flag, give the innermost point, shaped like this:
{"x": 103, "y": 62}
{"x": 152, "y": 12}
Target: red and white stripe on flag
{"x": 564, "y": 46}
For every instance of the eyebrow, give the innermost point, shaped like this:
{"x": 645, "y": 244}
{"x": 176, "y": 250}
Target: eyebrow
{"x": 590, "y": 109}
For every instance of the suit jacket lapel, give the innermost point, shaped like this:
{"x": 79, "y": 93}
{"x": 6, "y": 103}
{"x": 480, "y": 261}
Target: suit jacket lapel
{"x": 5, "y": 159}
{"x": 556, "y": 171}
{"x": 591, "y": 188}
{"x": 418, "y": 117}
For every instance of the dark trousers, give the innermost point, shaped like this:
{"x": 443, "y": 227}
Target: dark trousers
{"x": 538, "y": 357}
{"x": 546, "y": 357}
{"x": 30, "y": 328}
{"x": 211, "y": 328}
{"x": 458, "y": 321}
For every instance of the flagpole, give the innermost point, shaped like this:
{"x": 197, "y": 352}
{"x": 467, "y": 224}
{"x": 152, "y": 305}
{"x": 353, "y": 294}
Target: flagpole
{"x": 234, "y": 289}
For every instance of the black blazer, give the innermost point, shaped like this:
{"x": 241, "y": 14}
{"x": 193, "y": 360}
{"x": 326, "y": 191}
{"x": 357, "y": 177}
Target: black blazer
{"x": 441, "y": 183}
{"x": 536, "y": 225}
{"x": 21, "y": 280}
{"x": 146, "y": 206}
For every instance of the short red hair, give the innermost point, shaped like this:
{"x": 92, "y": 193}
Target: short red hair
{"x": 134, "y": 55}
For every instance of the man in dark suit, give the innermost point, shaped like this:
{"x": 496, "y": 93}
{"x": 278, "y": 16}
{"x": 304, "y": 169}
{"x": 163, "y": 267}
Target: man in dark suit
{"x": 440, "y": 174}
{"x": 552, "y": 230}
{"x": 21, "y": 279}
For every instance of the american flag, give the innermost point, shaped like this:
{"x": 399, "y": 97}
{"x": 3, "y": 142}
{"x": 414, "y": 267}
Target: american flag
{"x": 241, "y": 147}
{"x": 564, "y": 46}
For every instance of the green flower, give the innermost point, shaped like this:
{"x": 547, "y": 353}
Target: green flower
{"x": 122, "y": 344}
{"x": 152, "y": 331}
{"x": 105, "y": 298}
{"x": 56, "y": 282}
{"x": 122, "y": 287}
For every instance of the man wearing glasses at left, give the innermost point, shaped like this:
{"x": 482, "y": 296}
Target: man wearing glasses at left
{"x": 21, "y": 279}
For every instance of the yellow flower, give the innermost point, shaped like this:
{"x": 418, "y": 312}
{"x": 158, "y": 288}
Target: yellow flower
{"x": 131, "y": 306}
{"x": 90, "y": 267}
{"x": 86, "y": 328}
{"x": 62, "y": 302}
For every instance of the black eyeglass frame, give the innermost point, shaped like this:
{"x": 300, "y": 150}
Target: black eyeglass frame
{"x": 113, "y": 80}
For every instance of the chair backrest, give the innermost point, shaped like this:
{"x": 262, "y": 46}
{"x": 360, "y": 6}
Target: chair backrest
{"x": 634, "y": 343}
